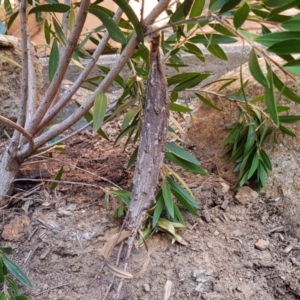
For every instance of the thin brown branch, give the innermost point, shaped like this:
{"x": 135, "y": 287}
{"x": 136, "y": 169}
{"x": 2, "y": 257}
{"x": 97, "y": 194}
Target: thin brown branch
{"x": 62, "y": 68}
{"x": 18, "y": 128}
{"x": 51, "y": 113}
{"x": 105, "y": 84}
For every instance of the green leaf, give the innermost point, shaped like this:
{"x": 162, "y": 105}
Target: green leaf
{"x": 270, "y": 99}
{"x": 123, "y": 195}
{"x": 53, "y": 60}
{"x": 289, "y": 119}
{"x": 57, "y": 178}
{"x": 221, "y": 29}
{"x": 286, "y": 47}
{"x": 186, "y": 200}
{"x": 157, "y": 210}
{"x": 129, "y": 12}
{"x": 207, "y": 102}
{"x": 232, "y": 134}
{"x": 100, "y": 107}
{"x": 241, "y": 15}
{"x": 196, "y": 11}
{"x": 276, "y": 3}
{"x": 293, "y": 66}
{"x": 183, "y": 77}
{"x": 217, "y": 51}
{"x": 193, "y": 49}
{"x": 6, "y": 250}
{"x": 217, "y": 4}
{"x": 251, "y": 137}
{"x": 113, "y": 29}
{"x": 254, "y": 166}
{"x": 119, "y": 79}
{"x": 59, "y": 33}
{"x": 167, "y": 196}
{"x": 1, "y": 271}
{"x": 262, "y": 175}
{"x": 7, "y": 7}
{"x": 188, "y": 167}
{"x": 212, "y": 39}
{"x": 190, "y": 82}
{"x": 55, "y": 8}
{"x": 21, "y": 297}
{"x": 275, "y": 37}
{"x": 284, "y": 90}
{"x": 179, "y": 108}
{"x": 181, "y": 11}
{"x": 47, "y": 32}
{"x": 16, "y": 272}
{"x": 293, "y": 24}
{"x": 265, "y": 158}
{"x": 229, "y": 5}
{"x": 130, "y": 116}
{"x": 180, "y": 152}
{"x": 255, "y": 69}
{"x": 287, "y": 131}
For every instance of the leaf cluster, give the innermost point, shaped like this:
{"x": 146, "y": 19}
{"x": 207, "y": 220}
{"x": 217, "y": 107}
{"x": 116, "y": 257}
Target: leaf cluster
{"x": 8, "y": 285}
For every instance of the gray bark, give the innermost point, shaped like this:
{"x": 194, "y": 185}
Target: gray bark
{"x": 152, "y": 143}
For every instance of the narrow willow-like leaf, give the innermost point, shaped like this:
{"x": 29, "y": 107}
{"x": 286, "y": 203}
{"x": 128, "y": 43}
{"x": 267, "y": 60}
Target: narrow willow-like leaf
{"x": 182, "y": 77}
{"x": 7, "y": 7}
{"x": 11, "y": 61}
{"x": 284, "y": 89}
{"x": 240, "y": 16}
{"x": 55, "y": 8}
{"x": 276, "y": 37}
{"x": 53, "y": 60}
{"x": 276, "y": 3}
{"x": 193, "y": 49}
{"x": 157, "y": 210}
{"x": 293, "y": 24}
{"x": 220, "y": 28}
{"x": 233, "y": 134}
{"x": 207, "y": 102}
{"x": 123, "y": 195}
{"x": 287, "y": 131}
{"x": 129, "y": 12}
{"x": 100, "y": 107}
{"x": 250, "y": 139}
{"x": 229, "y": 5}
{"x": 47, "y": 31}
{"x": 270, "y": 99}
{"x": 217, "y": 51}
{"x": 132, "y": 158}
{"x": 188, "y": 167}
{"x": 196, "y": 11}
{"x": 59, "y": 33}
{"x": 190, "y": 82}
{"x": 186, "y": 200}
{"x": 166, "y": 191}
{"x": 286, "y": 47}
{"x": 255, "y": 69}
{"x": 57, "y": 178}
{"x": 289, "y": 119}
{"x": 179, "y": 108}
{"x": 113, "y": 29}
{"x": 217, "y": 4}
{"x": 265, "y": 157}
{"x": 212, "y": 39}
{"x": 16, "y": 272}
{"x": 129, "y": 117}
{"x": 180, "y": 152}
{"x": 293, "y": 66}
{"x": 254, "y": 166}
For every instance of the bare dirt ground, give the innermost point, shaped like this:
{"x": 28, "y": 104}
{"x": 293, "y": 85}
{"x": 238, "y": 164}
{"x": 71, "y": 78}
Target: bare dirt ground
{"x": 57, "y": 236}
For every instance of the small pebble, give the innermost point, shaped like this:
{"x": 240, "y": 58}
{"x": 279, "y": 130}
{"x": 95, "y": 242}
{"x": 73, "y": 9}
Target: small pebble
{"x": 262, "y": 245}
{"x": 146, "y": 287}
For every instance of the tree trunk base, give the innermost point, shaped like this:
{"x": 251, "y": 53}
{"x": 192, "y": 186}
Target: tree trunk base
{"x": 9, "y": 168}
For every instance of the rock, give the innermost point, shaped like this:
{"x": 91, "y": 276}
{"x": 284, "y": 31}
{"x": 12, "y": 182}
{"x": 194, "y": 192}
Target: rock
{"x": 146, "y": 287}
{"x": 16, "y": 229}
{"x": 245, "y": 195}
{"x": 262, "y": 245}
{"x": 11, "y": 79}
{"x": 210, "y": 127}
